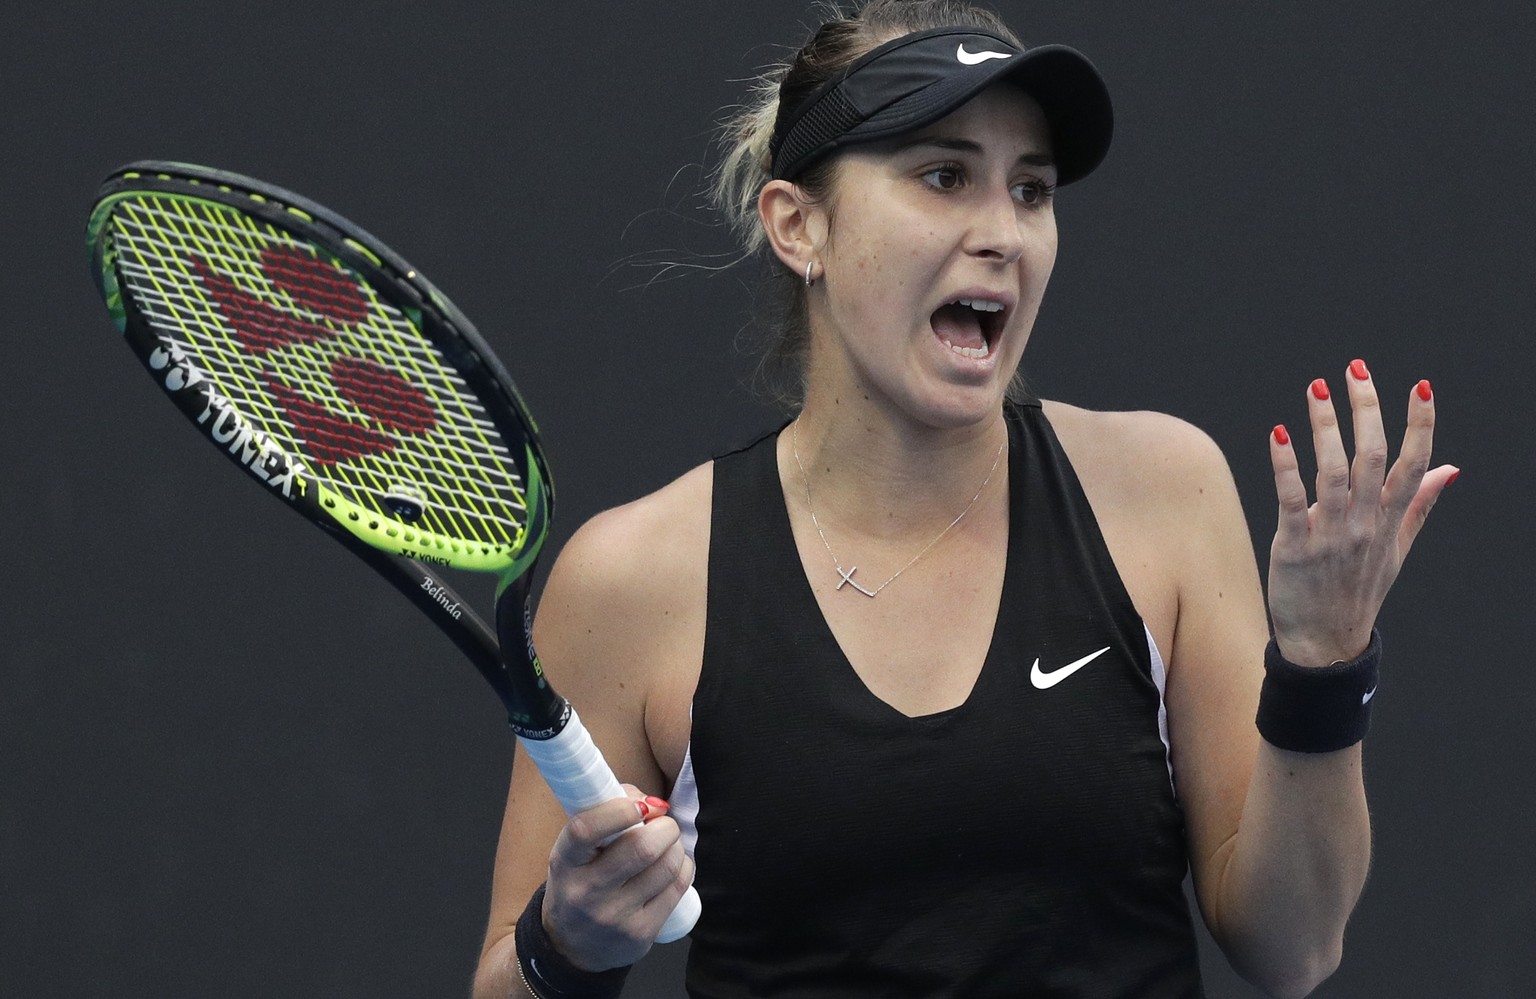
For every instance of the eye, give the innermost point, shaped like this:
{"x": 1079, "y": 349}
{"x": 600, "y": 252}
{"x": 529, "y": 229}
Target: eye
{"x": 948, "y": 177}
{"x": 1033, "y": 192}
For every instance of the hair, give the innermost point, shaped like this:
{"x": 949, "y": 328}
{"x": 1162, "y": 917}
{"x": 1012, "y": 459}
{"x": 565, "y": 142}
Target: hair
{"x": 747, "y": 131}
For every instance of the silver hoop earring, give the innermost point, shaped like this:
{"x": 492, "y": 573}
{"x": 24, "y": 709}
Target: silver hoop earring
{"x": 808, "y": 279}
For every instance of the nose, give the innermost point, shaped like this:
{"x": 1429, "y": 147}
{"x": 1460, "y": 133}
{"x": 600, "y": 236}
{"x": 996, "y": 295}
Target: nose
{"x": 996, "y": 231}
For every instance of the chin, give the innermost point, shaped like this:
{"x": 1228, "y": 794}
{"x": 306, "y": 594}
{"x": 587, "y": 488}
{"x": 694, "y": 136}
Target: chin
{"x": 952, "y": 407}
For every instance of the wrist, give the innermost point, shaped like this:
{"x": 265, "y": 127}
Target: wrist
{"x": 1318, "y": 709}
{"x": 1315, "y": 655}
{"x": 546, "y": 973}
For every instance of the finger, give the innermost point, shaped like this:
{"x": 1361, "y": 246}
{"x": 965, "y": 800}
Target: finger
{"x": 1407, "y": 475}
{"x": 1369, "y": 469}
{"x": 1332, "y": 462}
{"x": 1435, "y": 483}
{"x": 637, "y": 865}
{"x": 666, "y": 900}
{"x": 648, "y": 805}
{"x": 1291, "y": 528}
{"x": 585, "y": 834}
{"x": 657, "y": 852}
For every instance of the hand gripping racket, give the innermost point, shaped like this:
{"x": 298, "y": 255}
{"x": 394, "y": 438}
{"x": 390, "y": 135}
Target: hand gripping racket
{"x": 350, "y": 388}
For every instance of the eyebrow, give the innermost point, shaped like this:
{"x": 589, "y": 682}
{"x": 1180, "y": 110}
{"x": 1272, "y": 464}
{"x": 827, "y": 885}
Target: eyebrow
{"x": 967, "y": 146}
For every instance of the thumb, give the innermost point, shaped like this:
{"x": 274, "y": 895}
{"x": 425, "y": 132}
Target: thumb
{"x": 1435, "y": 482}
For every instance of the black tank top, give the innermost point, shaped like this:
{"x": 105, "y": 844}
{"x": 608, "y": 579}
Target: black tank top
{"x": 1024, "y": 843}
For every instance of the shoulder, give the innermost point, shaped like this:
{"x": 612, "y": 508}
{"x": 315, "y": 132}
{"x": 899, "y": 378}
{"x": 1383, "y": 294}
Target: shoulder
{"x": 1142, "y": 456}
{"x": 639, "y": 552}
{"x": 620, "y": 624}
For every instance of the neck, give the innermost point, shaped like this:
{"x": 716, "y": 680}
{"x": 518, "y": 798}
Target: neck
{"x": 879, "y": 479}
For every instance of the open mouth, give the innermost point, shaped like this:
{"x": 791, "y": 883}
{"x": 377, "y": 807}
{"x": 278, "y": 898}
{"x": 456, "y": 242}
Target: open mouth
{"x": 969, "y": 326}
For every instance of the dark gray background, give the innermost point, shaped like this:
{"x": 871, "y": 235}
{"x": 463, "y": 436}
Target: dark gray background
{"x": 233, "y": 763}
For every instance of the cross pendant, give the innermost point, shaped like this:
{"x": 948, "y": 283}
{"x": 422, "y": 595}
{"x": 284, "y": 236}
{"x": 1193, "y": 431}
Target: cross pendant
{"x": 848, "y": 580}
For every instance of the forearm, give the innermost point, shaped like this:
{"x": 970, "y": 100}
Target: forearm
{"x": 1295, "y": 869}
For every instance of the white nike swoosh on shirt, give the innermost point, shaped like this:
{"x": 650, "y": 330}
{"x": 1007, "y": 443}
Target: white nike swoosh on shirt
{"x": 1045, "y": 681}
{"x": 974, "y": 58}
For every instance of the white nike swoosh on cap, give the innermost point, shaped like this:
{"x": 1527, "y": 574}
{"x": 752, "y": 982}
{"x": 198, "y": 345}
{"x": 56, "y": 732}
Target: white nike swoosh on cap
{"x": 1045, "y": 681}
{"x": 1365, "y": 698}
{"x": 974, "y": 58}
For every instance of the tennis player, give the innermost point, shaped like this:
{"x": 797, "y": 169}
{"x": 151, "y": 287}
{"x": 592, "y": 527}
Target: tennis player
{"x": 940, "y": 689}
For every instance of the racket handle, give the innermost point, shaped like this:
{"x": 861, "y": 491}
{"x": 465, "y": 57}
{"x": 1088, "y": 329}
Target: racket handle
{"x": 576, "y": 772}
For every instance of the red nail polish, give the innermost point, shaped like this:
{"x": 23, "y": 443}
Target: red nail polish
{"x": 1424, "y": 391}
{"x": 1320, "y": 390}
{"x": 1281, "y": 437}
{"x": 1454, "y": 476}
{"x": 1357, "y": 368}
{"x": 656, "y": 803}
{"x": 644, "y": 808}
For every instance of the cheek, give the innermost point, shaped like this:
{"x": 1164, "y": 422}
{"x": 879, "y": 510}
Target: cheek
{"x": 882, "y": 238}
{"x": 873, "y": 267}
{"x": 1042, "y": 257}
{"x": 1039, "y": 262}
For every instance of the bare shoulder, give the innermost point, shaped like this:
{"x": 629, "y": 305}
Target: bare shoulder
{"x": 641, "y": 550}
{"x": 620, "y": 625}
{"x": 1139, "y": 454}
{"x": 635, "y": 571}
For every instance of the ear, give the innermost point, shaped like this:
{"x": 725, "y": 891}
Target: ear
{"x": 796, "y": 228}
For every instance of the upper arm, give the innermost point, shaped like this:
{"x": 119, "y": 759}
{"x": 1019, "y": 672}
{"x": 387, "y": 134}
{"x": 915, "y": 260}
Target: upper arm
{"x": 616, "y": 624}
{"x": 1215, "y": 663}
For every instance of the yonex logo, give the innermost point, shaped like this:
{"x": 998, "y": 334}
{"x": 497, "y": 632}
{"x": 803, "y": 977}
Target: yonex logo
{"x": 425, "y": 557}
{"x": 976, "y": 58}
{"x": 392, "y": 404}
{"x": 249, "y": 446}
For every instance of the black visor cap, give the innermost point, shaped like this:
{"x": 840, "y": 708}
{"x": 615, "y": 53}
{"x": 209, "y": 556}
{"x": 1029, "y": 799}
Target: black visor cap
{"x": 915, "y": 80}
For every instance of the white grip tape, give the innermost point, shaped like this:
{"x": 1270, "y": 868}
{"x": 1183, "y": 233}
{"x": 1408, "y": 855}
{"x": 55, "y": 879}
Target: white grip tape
{"x": 573, "y": 768}
{"x": 576, "y": 772}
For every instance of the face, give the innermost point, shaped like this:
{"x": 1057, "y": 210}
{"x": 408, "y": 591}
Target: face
{"x": 939, "y": 245}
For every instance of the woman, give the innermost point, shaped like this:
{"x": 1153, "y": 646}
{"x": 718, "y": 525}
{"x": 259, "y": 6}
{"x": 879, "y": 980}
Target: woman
{"x": 948, "y": 687}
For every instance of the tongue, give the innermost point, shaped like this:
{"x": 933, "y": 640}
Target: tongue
{"x": 960, "y": 325}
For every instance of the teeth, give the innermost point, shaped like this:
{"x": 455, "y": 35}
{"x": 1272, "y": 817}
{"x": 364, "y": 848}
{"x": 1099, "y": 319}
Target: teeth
{"x": 976, "y": 352}
{"x": 980, "y": 305}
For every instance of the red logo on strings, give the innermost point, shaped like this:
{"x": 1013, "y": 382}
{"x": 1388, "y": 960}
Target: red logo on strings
{"x": 391, "y": 403}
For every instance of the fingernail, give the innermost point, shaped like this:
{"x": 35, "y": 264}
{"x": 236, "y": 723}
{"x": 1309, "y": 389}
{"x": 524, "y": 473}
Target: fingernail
{"x": 1320, "y": 390}
{"x": 1424, "y": 391}
{"x": 1281, "y": 437}
{"x": 1357, "y": 368}
{"x": 644, "y": 807}
{"x": 1454, "y": 476}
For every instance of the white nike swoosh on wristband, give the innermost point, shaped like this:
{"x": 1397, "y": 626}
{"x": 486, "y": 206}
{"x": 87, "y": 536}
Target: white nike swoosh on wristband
{"x": 976, "y": 58}
{"x": 1045, "y": 681}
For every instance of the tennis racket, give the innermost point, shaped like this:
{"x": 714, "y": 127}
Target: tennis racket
{"x": 351, "y": 389}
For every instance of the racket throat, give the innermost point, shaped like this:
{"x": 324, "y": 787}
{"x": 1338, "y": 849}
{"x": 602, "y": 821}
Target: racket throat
{"x": 534, "y": 710}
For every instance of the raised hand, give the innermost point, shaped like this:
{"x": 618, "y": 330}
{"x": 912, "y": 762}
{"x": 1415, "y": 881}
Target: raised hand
{"x": 1332, "y": 563}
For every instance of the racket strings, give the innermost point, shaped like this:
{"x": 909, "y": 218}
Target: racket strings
{"x": 313, "y": 358}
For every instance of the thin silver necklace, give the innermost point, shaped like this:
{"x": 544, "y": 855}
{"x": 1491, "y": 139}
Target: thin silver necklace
{"x": 845, "y": 577}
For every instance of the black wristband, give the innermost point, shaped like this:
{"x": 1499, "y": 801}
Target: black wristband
{"x": 1319, "y": 709}
{"x": 547, "y": 974}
